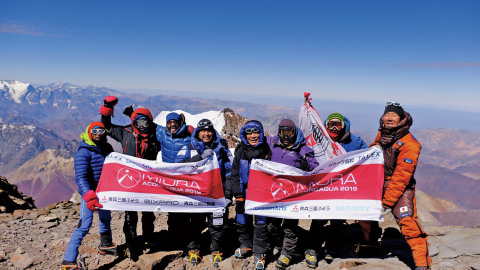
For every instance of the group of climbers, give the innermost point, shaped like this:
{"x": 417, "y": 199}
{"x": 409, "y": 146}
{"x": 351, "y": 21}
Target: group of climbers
{"x": 265, "y": 238}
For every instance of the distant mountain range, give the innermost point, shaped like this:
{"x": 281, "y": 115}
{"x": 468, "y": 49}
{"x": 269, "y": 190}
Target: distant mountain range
{"x": 40, "y": 128}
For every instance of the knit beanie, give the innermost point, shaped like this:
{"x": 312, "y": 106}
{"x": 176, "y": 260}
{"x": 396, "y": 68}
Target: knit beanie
{"x": 336, "y": 115}
{"x": 396, "y": 109}
{"x": 173, "y": 116}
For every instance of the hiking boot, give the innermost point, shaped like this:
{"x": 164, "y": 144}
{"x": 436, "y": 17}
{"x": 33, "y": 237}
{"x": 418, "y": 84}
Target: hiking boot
{"x": 217, "y": 257}
{"x": 276, "y": 252}
{"x": 131, "y": 254}
{"x": 73, "y": 266}
{"x": 243, "y": 252}
{"x": 108, "y": 249}
{"x": 259, "y": 261}
{"x": 194, "y": 256}
{"x": 311, "y": 258}
{"x": 283, "y": 262}
{"x": 329, "y": 255}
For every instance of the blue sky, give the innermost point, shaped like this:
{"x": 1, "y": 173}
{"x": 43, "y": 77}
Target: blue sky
{"x": 415, "y": 52}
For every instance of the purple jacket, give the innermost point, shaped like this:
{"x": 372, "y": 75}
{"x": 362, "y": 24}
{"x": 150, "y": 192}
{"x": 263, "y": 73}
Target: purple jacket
{"x": 294, "y": 155}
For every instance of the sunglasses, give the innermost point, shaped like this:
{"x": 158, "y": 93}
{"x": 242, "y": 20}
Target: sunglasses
{"x": 396, "y": 104}
{"x": 98, "y": 131}
{"x": 139, "y": 123}
{"x": 335, "y": 125}
{"x": 206, "y": 123}
{"x": 252, "y": 130}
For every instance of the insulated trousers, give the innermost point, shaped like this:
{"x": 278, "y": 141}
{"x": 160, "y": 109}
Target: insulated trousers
{"x": 130, "y": 228}
{"x": 405, "y": 213}
{"x": 185, "y": 229}
{"x": 333, "y": 237}
{"x": 270, "y": 232}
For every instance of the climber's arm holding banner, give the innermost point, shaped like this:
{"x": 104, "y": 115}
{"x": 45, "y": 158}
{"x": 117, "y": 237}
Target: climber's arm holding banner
{"x": 133, "y": 184}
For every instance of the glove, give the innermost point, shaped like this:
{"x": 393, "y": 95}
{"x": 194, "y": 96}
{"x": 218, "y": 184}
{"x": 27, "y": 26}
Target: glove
{"x": 207, "y": 153}
{"x": 376, "y": 146}
{"x": 108, "y": 104}
{"x": 110, "y": 101}
{"x": 240, "y": 205}
{"x": 229, "y": 203}
{"x": 92, "y": 200}
{"x": 128, "y": 110}
{"x": 385, "y": 211}
{"x": 303, "y": 164}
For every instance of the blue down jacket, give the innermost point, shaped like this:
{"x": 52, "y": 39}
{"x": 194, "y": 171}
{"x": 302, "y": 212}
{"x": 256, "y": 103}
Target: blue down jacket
{"x": 244, "y": 153}
{"x": 88, "y": 165}
{"x": 351, "y": 142}
{"x": 172, "y": 144}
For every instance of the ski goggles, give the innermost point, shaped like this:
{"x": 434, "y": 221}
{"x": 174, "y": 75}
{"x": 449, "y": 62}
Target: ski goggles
{"x": 139, "y": 123}
{"x": 396, "y": 104}
{"x": 335, "y": 125}
{"x": 286, "y": 131}
{"x": 252, "y": 130}
{"x": 99, "y": 131}
{"x": 205, "y": 123}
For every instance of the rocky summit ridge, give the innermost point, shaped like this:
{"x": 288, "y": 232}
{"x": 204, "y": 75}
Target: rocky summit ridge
{"x": 37, "y": 239}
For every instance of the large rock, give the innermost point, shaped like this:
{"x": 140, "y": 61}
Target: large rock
{"x": 158, "y": 260}
{"x": 434, "y": 230}
{"x": 21, "y": 261}
{"x": 12, "y": 199}
{"x": 466, "y": 246}
{"x": 446, "y": 252}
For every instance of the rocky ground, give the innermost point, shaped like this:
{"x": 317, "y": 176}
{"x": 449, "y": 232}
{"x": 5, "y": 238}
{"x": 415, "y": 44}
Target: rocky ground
{"x": 37, "y": 238}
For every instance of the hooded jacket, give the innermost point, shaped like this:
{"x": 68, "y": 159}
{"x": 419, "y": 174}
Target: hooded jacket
{"x": 88, "y": 163}
{"x": 133, "y": 143}
{"x": 194, "y": 151}
{"x": 350, "y": 142}
{"x": 294, "y": 154}
{"x": 244, "y": 153}
{"x": 401, "y": 152}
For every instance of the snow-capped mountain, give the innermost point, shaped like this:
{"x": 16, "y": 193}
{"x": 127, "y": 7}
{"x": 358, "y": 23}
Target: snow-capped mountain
{"x": 15, "y": 91}
{"x": 217, "y": 118}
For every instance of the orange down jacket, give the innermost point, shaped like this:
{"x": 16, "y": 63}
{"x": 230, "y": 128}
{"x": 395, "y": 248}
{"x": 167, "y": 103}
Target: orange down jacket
{"x": 401, "y": 152}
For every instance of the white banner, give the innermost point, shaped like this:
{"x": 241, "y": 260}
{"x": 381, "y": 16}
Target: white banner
{"x": 317, "y": 137}
{"x": 134, "y": 184}
{"x": 346, "y": 187}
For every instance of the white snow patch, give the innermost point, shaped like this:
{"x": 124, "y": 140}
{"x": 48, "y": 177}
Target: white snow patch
{"x": 43, "y": 101}
{"x": 217, "y": 118}
{"x": 15, "y": 88}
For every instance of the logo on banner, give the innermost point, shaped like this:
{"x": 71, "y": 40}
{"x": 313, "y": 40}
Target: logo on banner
{"x": 295, "y": 209}
{"x": 128, "y": 178}
{"x": 104, "y": 200}
{"x": 282, "y": 188}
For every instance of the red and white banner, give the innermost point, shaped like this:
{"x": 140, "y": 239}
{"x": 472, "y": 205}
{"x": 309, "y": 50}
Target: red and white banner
{"x": 317, "y": 137}
{"x": 346, "y": 187}
{"x": 134, "y": 184}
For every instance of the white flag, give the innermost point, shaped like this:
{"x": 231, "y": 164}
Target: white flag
{"x": 317, "y": 137}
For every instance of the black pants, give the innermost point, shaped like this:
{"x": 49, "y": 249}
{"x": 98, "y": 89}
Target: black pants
{"x": 217, "y": 231}
{"x": 244, "y": 225}
{"x": 185, "y": 229}
{"x": 333, "y": 236}
{"x": 130, "y": 227}
{"x": 270, "y": 232}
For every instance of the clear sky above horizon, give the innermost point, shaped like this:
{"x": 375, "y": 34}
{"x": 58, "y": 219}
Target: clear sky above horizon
{"x": 417, "y": 52}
